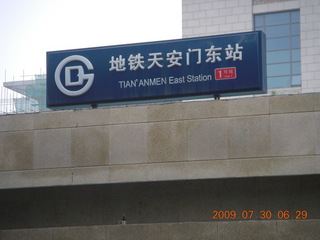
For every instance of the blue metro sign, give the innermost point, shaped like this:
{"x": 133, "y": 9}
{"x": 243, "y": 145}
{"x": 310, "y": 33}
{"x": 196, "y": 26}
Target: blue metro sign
{"x": 213, "y": 65}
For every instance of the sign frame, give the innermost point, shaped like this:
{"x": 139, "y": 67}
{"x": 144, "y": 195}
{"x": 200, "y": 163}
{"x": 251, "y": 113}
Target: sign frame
{"x": 174, "y": 69}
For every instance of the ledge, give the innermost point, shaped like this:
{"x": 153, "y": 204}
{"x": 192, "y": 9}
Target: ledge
{"x": 263, "y": 229}
{"x": 208, "y": 169}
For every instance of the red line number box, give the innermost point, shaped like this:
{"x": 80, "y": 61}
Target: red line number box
{"x": 225, "y": 73}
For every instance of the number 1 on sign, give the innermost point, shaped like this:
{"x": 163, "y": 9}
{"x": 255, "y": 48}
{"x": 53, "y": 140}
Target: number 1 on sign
{"x": 225, "y": 73}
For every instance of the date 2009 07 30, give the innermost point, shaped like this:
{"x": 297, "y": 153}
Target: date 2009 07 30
{"x": 263, "y": 214}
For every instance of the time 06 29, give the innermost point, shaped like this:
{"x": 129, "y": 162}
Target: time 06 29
{"x": 263, "y": 214}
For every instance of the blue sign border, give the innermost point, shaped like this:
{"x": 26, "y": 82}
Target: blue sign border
{"x": 158, "y": 70}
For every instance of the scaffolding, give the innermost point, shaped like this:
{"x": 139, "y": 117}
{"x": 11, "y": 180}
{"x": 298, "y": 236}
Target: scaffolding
{"x": 26, "y": 96}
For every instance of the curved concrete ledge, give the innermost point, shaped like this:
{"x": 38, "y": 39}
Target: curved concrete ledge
{"x": 208, "y": 169}
{"x": 228, "y": 230}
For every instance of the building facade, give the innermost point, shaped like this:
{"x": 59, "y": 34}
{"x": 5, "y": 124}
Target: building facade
{"x": 290, "y": 26}
{"x": 246, "y": 168}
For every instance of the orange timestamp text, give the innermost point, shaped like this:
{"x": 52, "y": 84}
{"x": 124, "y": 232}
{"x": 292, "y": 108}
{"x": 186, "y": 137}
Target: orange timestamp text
{"x": 263, "y": 214}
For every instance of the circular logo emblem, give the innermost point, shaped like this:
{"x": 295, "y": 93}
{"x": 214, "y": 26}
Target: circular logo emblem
{"x": 83, "y": 79}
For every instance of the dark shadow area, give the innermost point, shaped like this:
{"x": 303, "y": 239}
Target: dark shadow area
{"x": 158, "y": 202}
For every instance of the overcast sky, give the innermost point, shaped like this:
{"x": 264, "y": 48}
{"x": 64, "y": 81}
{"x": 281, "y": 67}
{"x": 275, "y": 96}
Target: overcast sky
{"x": 30, "y": 28}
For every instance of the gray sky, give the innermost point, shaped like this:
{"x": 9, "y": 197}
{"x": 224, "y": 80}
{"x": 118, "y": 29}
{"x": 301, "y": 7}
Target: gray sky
{"x": 30, "y": 28}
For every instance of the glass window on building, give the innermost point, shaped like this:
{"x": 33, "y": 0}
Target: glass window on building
{"x": 282, "y": 31}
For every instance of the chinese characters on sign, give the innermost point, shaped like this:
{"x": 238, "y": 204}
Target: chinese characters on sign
{"x": 174, "y": 58}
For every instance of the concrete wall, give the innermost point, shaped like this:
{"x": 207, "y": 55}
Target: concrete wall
{"x": 244, "y": 230}
{"x": 267, "y": 136}
{"x": 214, "y": 17}
{"x": 73, "y": 174}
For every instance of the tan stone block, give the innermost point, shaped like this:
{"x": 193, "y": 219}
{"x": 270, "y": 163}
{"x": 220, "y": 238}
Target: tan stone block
{"x": 52, "y": 148}
{"x": 90, "y": 146}
{"x": 164, "y": 112}
{"x": 243, "y": 229}
{"x": 317, "y": 164}
{"x": 207, "y": 139}
{"x": 128, "y": 114}
{"x": 249, "y": 137}
{"x": 55, "y": 119}
{"x": 26, "y": 234}
{"x": 316, "y": 97}
{"x": 172, "y": 171}
{"x": 128, "y": 144}
{"x": 18, "y": 122}
{"x": 317, "y": 141}
{"x": 167, "y": 142}
{"x": 162, "y": 231}
{"x": 298, "y": 229}
{"x": 2, "y": 160}
{"x": 16, "y": 150}
{"x": 291, "y": 104}
{"x": 90, "y": 175}
{"x": 71, "y": 118}
{"x": 251, "y": 167}
{"x": 54, "y": 177}
{"x": 295, "y": 165}
{"x": 147, "y": 172}
{"x": 91, "y": 117}
{"x": 79, "y": 233}
{"x": 128, "y": 232}
{"x": 248, "y": 106}
{"x": 36, "y": 178}
{"x": 293, "y": 134}
{"x": 206, "y": 109}
{"x": 185, "y": 230}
